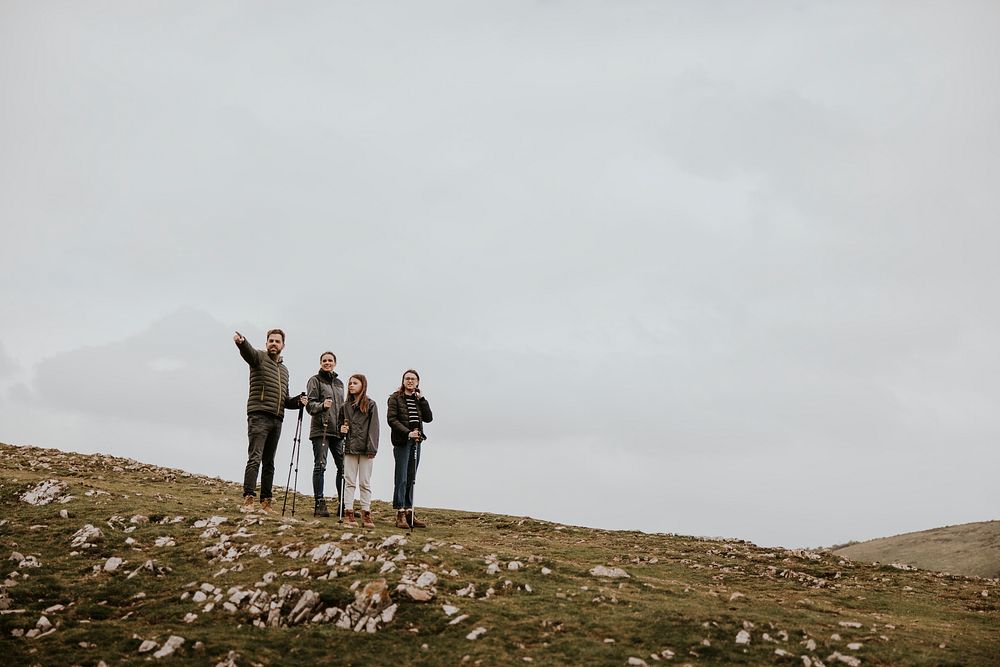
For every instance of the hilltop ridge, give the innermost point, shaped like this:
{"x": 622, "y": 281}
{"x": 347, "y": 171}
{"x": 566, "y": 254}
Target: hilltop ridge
{"x": 112, "y": 561}
{"x": 971, "y": 548}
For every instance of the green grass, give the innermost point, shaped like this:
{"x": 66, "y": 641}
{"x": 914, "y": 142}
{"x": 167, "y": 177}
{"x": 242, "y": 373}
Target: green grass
{"x": 679, "y": 596}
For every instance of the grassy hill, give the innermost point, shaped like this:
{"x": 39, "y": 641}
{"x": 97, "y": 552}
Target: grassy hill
{"x": 971, "y": 548}
{"x": 131, "y": 561}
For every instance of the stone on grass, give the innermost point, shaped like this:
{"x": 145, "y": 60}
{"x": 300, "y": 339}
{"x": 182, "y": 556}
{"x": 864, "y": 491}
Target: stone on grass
{"x": 612, "y": 572}
{"x": 414, "y": 593}
{"x": 44, "y": 492}
{"x": 743, "y": 637}
{"x": 112, "y": 564}
{"x": 172, "y": 644}
{"x": 426, "y": 580}
{"x": 147, "y": 646}
{"x": 84, "y": 537}
{"x": 848, "y": 660}
{"x": 475, "y": 634}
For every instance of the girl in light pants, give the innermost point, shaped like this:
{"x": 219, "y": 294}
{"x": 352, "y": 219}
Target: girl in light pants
{"x": 359, "y": 424}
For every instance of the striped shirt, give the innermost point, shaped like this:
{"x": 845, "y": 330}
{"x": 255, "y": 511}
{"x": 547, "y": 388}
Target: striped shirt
{"x": 412, "y": 411}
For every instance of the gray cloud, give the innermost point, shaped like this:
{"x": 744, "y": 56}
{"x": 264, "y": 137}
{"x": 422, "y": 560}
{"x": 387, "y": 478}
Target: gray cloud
{"x": 8, "y": 365}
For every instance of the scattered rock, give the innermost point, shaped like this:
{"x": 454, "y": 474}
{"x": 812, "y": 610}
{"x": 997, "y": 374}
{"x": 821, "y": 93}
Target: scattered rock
{"x": 417, "y": 594}
{"x": 112, "y": 564}
{"x": 172, "y": 644}
{"x": 85, "y": 537}
{"x": 743, "y": 637}
{"x": 147, "y": 646}
{"x": 44, "y": 492}
{"x": 613, "y": 572}
{"x": 475, "y": 634}
{"x": 848, "y": 660}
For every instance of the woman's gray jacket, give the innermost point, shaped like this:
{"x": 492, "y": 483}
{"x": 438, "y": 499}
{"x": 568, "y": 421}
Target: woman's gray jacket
{"x": 318, "y": 390}
{"x": 362, "y": 434}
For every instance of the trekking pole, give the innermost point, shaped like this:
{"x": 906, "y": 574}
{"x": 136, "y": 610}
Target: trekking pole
{"x": 413, "y": 484}
{"x": 298, "y": 449}
{"x": 295, "y": 446}
{"x": 343, "y": 490}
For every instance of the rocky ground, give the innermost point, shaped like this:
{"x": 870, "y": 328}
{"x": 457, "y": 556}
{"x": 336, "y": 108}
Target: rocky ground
{"x": 111, "y": 561}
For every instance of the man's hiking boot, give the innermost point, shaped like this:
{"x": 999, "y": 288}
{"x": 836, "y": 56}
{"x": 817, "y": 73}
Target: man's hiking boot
{"x": 247, "y": 505}
{"x": 401, "y": 520}
{"x": 265, "y": 505}
{"x": 320, "y": 509}
{"x": 413, "y": 520}
{"x": 349, "y": 521}
{"x": 366, "y": 519}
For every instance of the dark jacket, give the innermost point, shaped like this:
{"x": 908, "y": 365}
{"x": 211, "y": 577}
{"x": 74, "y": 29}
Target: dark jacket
{"x": 399, "y": 418}
{"x": 362, "y": 434}
{"x": 318, "y": 389}
{"x": 268, "y": 383}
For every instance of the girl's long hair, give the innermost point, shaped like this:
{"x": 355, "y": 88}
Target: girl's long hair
{"x": 361, "y": 398}
{"x": 402, "y": 387}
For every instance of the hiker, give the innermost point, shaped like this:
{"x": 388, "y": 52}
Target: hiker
{"x": 407, "y": 412}
{"x": 359, "y": 424}
{"x": 266, "y": 407}
{"x": 325, "y": 394}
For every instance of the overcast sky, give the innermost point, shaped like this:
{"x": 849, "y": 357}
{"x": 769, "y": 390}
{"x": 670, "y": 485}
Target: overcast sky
{"x": 722, "y": 268}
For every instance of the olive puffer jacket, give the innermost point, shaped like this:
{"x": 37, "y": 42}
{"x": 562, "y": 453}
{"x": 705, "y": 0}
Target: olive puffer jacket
{"x": 399, "y": 418}
{"x": 362, "y": 433}
{"x": 268, "y": 383}
{"x": 320, "y": 387}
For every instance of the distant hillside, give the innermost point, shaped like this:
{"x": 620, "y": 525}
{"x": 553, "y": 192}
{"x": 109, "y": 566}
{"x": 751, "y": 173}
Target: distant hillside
{"x": 109, "y": 561}
{"x": 972, "y": 549}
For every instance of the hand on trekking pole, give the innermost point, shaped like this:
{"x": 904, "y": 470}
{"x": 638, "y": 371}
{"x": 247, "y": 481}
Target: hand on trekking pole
{"x": 414, "y": 434}
{"x": 327, "y": 404}
{"x": 238, "y": 338}
{"x": 343, "y": 427}
{"x": 303, "y": 399}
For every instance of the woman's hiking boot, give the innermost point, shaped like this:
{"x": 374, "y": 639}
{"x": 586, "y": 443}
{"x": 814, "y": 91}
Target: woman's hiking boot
{"x": 413, "y": 521}
{"x": 265, "y": 505}
{"x": 247, "y": 504}
{"x": 366, "y": 519}
{"x": 401, "y": 520}
{"x": 349, "y": 521}
{"x": 320, "y": 509}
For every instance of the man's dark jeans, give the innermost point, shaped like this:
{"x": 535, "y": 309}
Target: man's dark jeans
{"x": 336, "y": 447}
{"x": 405, "y": 474}
{"x": 263, "y": 431}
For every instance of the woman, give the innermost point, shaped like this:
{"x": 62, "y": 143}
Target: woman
{"x": 359, "y": 424}
{"x": 407, "y": 412}
{"x": 325, "y": 394}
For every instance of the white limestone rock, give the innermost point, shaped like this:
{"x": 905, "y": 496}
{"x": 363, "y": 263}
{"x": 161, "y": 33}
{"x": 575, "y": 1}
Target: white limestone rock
{"x": 612, "y": 572}
{"x": 45, "y": 492}
{"x": 172, "y": 644}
